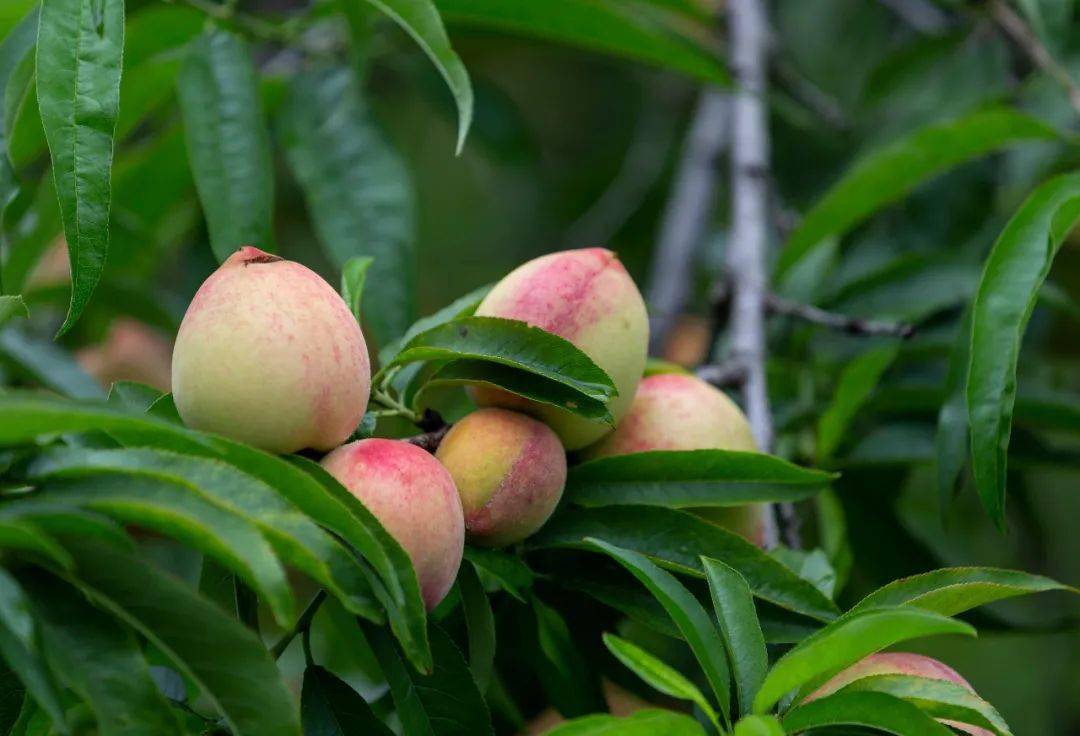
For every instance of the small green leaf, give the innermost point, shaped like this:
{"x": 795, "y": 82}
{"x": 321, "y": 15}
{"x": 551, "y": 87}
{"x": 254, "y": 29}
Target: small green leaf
{"x": 689, "y": 616}
{"x": 957, "y": 589}
{"x": 421, "y": 20}
{"x": 463, "y": 306}
{"x": 758, "y": 726}
{"x": 357, "y": 187}
{"x": 480, "y": 624}
{"x": 844, "y": 642}
{"x": 599, "y": 25}
{"x": 133, "y": 396}
{"x": 857, "y": 381}
{"x": 12, "y": 307}
{"x": 227, "y": 142}
{"x": 511, "y": 343}
{"x": 739, "y": 628}
{"x": 658, "y": 675}
{"x": 570, "y": 683}
{"x": 80, "y": 49}
{"x": 353, "y": 275}
{"x": 889, "y": 173}
{"x": 877, "y": 711}
{"x": 329, "y": 707}
{"x": 691, "y": 478}
{"x": 1015, "y": 270}
{"x": 647, "y": 722}
{"x": 938, "y": 698}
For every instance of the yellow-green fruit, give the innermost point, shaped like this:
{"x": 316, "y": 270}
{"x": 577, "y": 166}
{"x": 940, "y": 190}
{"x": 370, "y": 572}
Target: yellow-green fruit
{"x": 414, "y": 497}
{"x": 270, "y": 355}
{"x": 675, "y": 411}
{"x": 588, "y": 298}
{"x": 510, "y": 471}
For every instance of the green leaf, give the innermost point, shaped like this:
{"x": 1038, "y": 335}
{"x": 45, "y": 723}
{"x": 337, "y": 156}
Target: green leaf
{"x": 463, "y": 306}
{"x": 421, "y": 20}
{"x": 510, "y": 343}
{"x": 480, "y": 624}
{"x": 205, "y": 644}
{"x": 570, "y": 683}
{"x": 857, "y": 382}
{"x": 100, "y": 660}
{"x": 957, "y": 589}
{"x": 691, "y": 478}
{"x": 951, "y": 439}
{"x": 20, "y": 649}
{"x": 180, "y": 511}
{"x": 887, "y": 174}
{"x": 26, "y": 536}
{"x": 1015, "y": 269}
{"x": 845, "y": 641}
{"x": 598, "y": 25}
{"x": 353, "y": 275}
{"x": 46, "y": 364}
{"x": 758, "y": 726}
{"x": 507, "y": 571}
{"x": 519, "y": 382}
{"x": 648, "y": 722}
{"x": 677, "y": 540}
{"x": 12, "y": 307}
{"x": 79, "y": 57}
{"x": 298, "y": 541}
{"x": 444, "y": 703}
{"x": 329, "y": 707}
{"x": 740, "y": 629}
{"x": 133, "y": 396}
{"x": 357, "y": 187}
{"x": 878, "y": 711}
{"x": 15, "y": 56}
{"x": 227, "y": 142}
{"x": 695, "y": 625}
{"x": 658, "y": 675}
{"x": 937, "y": 698}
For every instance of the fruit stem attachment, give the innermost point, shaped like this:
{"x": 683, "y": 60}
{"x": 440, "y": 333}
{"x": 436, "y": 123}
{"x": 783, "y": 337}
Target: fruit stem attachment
{"x": 384, "y": 397}
{"x": 302, "y": 625}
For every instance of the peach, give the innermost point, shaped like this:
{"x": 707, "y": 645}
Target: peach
{"x": 414, "y": 497}
{"x": 588, "y": 298}
{"x": 131, "y": 351}
{"x": 677, "y": 411}
{"x": 510, "y": 471}
{"x": 899, "y": 663}
{"x": 269, "y": 354}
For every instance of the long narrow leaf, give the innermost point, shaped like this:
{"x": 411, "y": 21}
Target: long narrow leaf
{"x": 739, "y": 626}
{"x": 877, "y": 711}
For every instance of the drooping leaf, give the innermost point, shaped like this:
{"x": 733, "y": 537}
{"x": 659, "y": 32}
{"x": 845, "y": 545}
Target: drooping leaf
{"x": 80, "y": 48}
{"x": 599, "y": 25}
{"x": 421, "y": 20}
{"x": 227, "y": 142}
{"x": 511, "y": 343}
{"x": 677, "y": 540}
{"x": 938, "y": 698}
{"x": 1014, "y": 271}
{"x": 100, "y": 659}
{"x": 691, "y": 478}
{"x": 570, "y": 683}
{"x": 877, "y": 711}
{"x": 329, "y": 707}
{"x": 844, "y": 642}
{"x": 658, "y": 675}
{"x": 689, "y": 616}
{"x": 357, "y": 188}
{"x": 353, "y": 276}
{"x": 889, "y": 173}
{"x": 740, "y": 629}
{"x": 951, "y": 591}
{"x": 647, "y": 722}
{"x": 444, "y": 703}
{"x": 857, "y": 381}
{"x": 480, "y": 623}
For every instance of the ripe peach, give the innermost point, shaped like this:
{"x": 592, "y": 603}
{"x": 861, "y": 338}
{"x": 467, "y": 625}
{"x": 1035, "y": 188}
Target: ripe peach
{"x": 676, "y": 411}
{"x": 899, "y": 663}
{"x": 269, "y": 354}
{"x": 588, "y": 298}
{"x": 414, "y": 497}
{"x": 509, "y": 470}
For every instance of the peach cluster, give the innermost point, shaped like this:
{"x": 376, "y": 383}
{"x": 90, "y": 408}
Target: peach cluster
{"x": 269, "y": 354}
